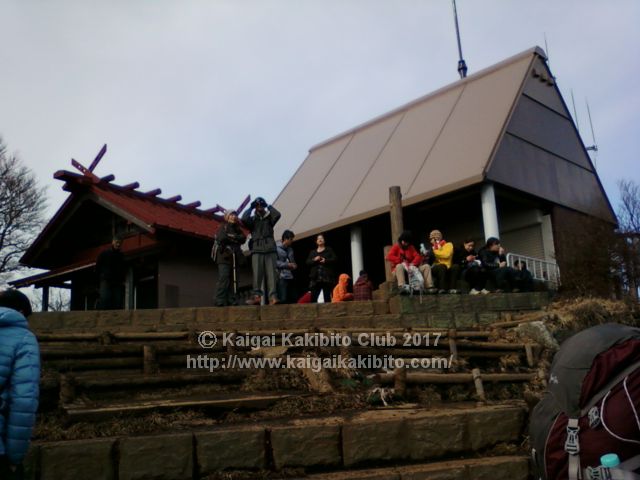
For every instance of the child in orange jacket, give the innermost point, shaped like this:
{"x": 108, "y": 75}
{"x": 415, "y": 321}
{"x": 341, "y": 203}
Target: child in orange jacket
{"x": 341, "y": 292}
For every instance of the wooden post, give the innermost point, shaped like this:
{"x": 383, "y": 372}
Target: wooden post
{"x": 528, "y": 348}
{"x": 395, "y": 205}
{"x": 400, "y": 381}
{"x": 67, "y": 389}
{"x": 477, "y": 380}
{"x": 388, "y": 275}
{"x": 45, "y": 298}
{"x": 453, "y": 348}
{"x": 231, "y": 347}
{"x": 150, "y": 359}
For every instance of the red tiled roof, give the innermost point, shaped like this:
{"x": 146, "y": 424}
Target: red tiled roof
{"x": 153, "y": 211}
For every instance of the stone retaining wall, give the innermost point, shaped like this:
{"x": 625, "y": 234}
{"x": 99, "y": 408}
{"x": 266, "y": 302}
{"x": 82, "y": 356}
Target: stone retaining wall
{"x": 444, "y": 311}
{"x": 385, "y": 435}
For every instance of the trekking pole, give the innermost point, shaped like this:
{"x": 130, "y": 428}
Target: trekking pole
{"x": 235, "y": 276}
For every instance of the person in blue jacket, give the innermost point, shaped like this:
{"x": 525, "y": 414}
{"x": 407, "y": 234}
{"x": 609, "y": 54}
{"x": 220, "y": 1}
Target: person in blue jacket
{"x": 19, "y": 382}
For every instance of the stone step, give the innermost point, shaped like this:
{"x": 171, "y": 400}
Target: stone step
{"x": 388, "y": 436}
{"x": 93, "y": 412}
{"x": 491, "y": 468}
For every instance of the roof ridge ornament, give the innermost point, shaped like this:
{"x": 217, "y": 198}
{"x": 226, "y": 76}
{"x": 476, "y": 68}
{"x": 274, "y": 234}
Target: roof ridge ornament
{"x": 88, "y": 172}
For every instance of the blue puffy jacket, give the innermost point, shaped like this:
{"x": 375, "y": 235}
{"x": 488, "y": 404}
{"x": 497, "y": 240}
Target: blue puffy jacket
{"x": 19, "y": 384}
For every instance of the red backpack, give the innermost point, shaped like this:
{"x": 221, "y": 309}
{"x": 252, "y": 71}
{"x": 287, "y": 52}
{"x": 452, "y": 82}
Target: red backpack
{"x": 591, "y": 407}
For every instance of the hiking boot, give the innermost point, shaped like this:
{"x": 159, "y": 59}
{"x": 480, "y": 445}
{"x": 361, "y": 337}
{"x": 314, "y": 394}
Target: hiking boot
{"x": 473, "y": 291}
{"x": 255, "y": 300}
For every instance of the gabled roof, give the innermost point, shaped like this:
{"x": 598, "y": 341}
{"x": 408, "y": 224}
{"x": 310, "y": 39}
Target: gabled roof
{"x": 147, "y": 210}
{"x": 436, "y": 144}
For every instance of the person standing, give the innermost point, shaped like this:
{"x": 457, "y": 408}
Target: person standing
{"x": 286, "y": 265}
{"x": 111, "y": 268}
{"x": 263, "y": 250}
{"x": 321, "y": 276}
{"x": 228, "y": 252}
{"x": 19, "y": 382}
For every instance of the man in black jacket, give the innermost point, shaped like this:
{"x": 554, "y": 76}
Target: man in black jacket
{"x": 466, "y": 266}
{"x": 111, "y": 269}
{"x": 494, "y": 263}
{"x": 263, "y": 249}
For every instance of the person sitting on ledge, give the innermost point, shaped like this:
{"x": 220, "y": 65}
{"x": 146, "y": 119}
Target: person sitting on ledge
{"x": 341, "y": 291}
{"x": 363, "y": 288}
{"x": 403, "y": 256}
{"x": 443, "y": 258}
{"x": 494, "y": 263}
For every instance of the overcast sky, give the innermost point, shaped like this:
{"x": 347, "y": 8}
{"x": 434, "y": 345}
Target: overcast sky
{"x": 217, "y": 99}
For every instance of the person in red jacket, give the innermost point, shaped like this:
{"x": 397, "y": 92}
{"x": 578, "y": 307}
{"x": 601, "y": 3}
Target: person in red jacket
{"x": 404, "y": 255}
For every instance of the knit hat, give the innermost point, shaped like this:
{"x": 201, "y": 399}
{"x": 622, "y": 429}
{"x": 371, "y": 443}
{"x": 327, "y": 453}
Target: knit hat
{"x": 228, "y": 213}
{"x": 435, "y": 234}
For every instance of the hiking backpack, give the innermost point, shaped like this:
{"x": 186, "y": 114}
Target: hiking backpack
{"x": 416, "y": 280}
{"x": 590, "y": 407}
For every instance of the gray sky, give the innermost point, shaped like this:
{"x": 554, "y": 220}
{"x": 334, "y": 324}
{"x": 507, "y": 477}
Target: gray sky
{"x": 217, "y": 99}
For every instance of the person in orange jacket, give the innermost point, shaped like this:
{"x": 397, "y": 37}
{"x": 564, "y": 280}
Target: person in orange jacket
{"x": 442, "y": 252}
{"x": 404, "y": 255}
{"x": 341, "y": 291}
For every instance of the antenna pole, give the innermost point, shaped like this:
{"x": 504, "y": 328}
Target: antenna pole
{"x": 575, "y": 113}
{"x": 462, "y": 66}
{"x": 594, "y": 147}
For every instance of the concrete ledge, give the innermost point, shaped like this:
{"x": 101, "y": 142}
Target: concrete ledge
{"x": 163, "y": 457}
{"x": 231, "y": 449}
{"x": 78, "y": 459}
{"x": 384, "y": 435}
{"x": 306, "y": 445}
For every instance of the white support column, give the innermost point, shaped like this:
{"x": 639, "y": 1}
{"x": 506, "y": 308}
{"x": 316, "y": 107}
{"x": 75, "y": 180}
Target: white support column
{"x": 489, "y": 212}
{"x": 357, "y": 261}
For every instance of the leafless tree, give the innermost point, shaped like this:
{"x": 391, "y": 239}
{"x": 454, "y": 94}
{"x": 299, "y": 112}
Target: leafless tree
{"x": 59, "y": 300}
{"x": 629, "y": 235}
{"x": 22, "y": 205}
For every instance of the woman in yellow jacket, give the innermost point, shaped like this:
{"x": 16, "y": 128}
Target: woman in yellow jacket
{"x": 442, "y": 252}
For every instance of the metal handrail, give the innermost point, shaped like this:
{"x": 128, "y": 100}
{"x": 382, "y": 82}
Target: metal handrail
{"x": 543, "y": 270}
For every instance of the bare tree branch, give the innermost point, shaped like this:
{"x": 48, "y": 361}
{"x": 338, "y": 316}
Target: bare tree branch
{"x": 22, "y": 206}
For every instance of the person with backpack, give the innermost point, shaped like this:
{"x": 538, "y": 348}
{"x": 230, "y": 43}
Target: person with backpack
{"x": 363, "y": 288}
{"x": 286, "y": 264}
{"x": 227, "y": 254}
{"x": 591, "y": 408}
{"x": 19, "y": 382}
{"x": 405, "y": 261}
{"x": 263, "y": 250}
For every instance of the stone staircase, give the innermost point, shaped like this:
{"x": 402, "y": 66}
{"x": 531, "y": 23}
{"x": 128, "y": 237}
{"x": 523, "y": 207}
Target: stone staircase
{"x": 464, "y": 421}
